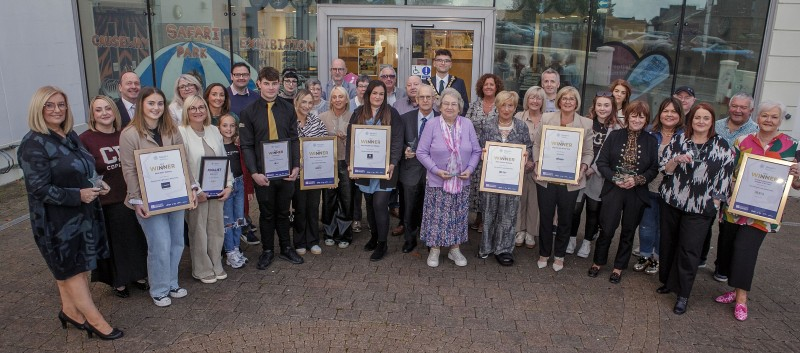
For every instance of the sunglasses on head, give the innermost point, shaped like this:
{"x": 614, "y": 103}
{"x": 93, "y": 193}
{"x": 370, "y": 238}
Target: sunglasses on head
{"x": 603, "y": 94}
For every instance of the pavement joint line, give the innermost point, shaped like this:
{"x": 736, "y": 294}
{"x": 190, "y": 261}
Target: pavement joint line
{"x": 791, "y": 224}
{"x": 14, "y": 222}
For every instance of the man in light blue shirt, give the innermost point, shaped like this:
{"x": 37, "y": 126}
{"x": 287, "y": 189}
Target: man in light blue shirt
{"x": 738, "y": 122}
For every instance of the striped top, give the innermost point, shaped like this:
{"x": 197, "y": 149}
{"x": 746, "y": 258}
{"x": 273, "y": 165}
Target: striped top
{"x": 313, "y": 127}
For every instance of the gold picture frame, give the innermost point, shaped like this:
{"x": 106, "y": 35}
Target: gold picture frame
{"x": 508, "y": 150}
{"x": 756, "y": 174}
{"x": 569, "y": 145}
{"x": 372, "y": 144}
{"x": 163, "y": 163}
{"x": 325, "y": 153}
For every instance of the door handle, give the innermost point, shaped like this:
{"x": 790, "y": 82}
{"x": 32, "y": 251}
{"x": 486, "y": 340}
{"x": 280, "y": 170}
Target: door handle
{"x": 422, "y": 26}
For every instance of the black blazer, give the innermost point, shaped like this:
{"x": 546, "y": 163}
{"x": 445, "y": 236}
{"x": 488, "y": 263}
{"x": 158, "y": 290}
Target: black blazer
{"x": 254, "y": 129}
{"x": 411, "y": 170}
{"x": 459, "y": 85}
{"x": 611, "y": 156}
{"x": 123, "y": 112}
{"x": 396, "y": 147}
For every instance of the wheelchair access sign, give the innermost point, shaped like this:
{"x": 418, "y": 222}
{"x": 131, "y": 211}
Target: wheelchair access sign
{"x": 423, "y": 71}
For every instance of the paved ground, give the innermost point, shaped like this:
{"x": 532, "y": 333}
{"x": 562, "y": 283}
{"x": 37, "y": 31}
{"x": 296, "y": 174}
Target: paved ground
{"x": 341, "y": 302}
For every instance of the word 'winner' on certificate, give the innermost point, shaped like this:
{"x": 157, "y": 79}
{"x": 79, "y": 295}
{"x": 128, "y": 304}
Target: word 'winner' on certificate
{"x": 559, "y": 155}
{"x": 370, "y": 151}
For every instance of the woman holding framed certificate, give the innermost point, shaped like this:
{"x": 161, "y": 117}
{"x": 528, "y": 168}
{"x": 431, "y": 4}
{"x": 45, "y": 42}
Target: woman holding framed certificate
{"x": 152, "y": 127}
{"x": 206, "y": 222}
{"x": 740, "y": 236}
{"x": 376, "y": 112}
{"x": 570, "y": 146}
{"x": 449, "y": 151}
{"x": 627, "y": 161}
{"x": 500, "y": 209}
{"x": 697, "y": 167}
{"x": 306, "y": 201}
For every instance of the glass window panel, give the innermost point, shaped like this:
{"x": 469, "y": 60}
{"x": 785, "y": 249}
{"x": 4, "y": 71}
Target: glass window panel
{"x": 365, "y": 50}
{"x": 426, "y": 41}
{"x": 115, "y": 40}
{"x": 486, "y": 3}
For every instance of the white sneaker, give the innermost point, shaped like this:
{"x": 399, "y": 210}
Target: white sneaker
{"x": 316, "y": 250}
{"x": 343, "y": 244}
{"x": 519, "y": 239}
{"x": 178, "y": 293}
{"x": 530, "y": 241}
{"x": 162, "y": 301}
{"x": 586, "y": 248}
{"x": 433, "y": 258}
{"x": 456, "y": 256}
{"x": 222, "y": 276}
{"x": 233, "y": 259}
{"x": 330, "y": 242}
{"x": 300, "y": 251}
{"x": 241, "y": 256}
{"x": 571, "y": 245}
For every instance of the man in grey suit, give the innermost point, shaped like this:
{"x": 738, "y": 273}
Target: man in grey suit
{"x": 412, "y": 173}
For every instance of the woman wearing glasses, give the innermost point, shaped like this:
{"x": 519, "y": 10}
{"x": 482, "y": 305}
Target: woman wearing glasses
{"x": 66, "y": 216}
{"x": 185, "y": 86}
{"x": 206, "y": 222}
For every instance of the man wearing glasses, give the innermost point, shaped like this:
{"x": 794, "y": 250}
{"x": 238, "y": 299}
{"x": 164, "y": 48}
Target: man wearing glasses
{"x": 389, "y": 78}
{"x": 338, "y": 70}
{"x": 443, "y": 61}
{"x": 289, "y": 85}
{"x": 240, "y": 95}
{"x": 685, "y": 94}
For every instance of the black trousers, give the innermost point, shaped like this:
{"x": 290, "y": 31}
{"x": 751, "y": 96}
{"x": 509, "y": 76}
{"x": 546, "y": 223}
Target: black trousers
{"x": 401, "y": 208}
{"x": 618, "y": 203}
{"x": 411, "y": 200}
{"x": 337, "y": 208}
{"x": 273, "y": 206}
{"x": 682, "y": 237}
{"x": 591, "y": 224}
{"x": 555, "y": 198}
{"x": 737, "y": 253}
{"x": 306, "y": 216}
{"x": 378, "y": 214}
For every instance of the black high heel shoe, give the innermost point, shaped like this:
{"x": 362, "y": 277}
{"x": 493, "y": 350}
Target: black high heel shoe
{"x": 65, "y": 319}
{"x": 114, "y": 334}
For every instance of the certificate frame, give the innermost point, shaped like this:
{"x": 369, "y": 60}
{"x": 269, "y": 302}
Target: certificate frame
{"x": 146, "y": 159}
{"x": 358, "y": 171}
{"x": 286, "y": 150}
{"x": 213, "y": 167}
{"x": 329, "y": 181}
{"x": 501, "y": 188}
{"x": 561, "y": 176}
{"x": 754, "y": 212}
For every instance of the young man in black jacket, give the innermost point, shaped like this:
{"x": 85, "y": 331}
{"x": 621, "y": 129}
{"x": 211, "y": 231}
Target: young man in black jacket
{"x": 271, "y": 119}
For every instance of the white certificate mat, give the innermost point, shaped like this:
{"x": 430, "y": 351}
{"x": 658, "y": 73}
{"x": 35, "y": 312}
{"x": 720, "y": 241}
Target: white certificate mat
{"x": 369, "y": 151}
{"x": 277, "y": 159}
{"x": 560, "y": 154}
{"x": 502, "y": 169}
{"x": 163, "y": 178}
{"x": 762, "y": 186}
{"x": 213, "y": 175}
{"x": 318, "y": 157}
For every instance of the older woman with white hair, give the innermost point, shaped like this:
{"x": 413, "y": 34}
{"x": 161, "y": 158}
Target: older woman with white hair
{"x": 186, "y": 85}
{"x": 740, "y": 237}
{"x": 528, "y": 213}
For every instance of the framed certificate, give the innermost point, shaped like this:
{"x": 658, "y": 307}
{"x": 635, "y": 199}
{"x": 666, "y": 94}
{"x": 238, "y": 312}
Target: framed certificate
{"x": 213, "y": 175}
{"x": 762, "y": 185}
{"x": 560, "y": 154}
{"x": 318, "y": 158}
{"x": 369, "y": 151}
{"x": 503, "y": 168}
{"x": 277, "y": 158}
{"x": 163, "y": 178}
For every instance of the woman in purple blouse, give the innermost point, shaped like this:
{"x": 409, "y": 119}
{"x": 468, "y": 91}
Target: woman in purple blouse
{"x": 449, "y": 150}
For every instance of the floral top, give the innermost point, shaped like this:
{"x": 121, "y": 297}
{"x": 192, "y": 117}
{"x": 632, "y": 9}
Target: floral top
{"x": 781, "y": 147}
{"x": 478, "y": 118}
{"x": 693, "y": 187}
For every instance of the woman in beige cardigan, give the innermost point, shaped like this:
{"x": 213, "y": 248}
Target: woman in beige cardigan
{"x": 557, "y": 198}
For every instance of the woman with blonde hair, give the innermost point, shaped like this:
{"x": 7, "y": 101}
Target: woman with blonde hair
{"x": 186, "y": 85}
{"x": 528, "y": 214}
{"x": 65, "y": 213}
{"x": 128, "y": 262}
{"x": 337, "y": 203}
{"x": 206, "y": 222}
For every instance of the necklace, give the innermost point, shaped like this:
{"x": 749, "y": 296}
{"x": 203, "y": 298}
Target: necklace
{"x": 500, "y": 123}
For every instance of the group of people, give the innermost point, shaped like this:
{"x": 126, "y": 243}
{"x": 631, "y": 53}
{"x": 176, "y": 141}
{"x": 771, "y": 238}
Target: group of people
{"x": 670, "y": 178}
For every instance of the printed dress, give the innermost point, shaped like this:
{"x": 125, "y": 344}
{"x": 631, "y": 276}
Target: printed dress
{"x": 478, "y": 118}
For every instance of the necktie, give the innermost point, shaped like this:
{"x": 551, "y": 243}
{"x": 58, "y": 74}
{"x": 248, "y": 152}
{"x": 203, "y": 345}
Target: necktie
{"x": 273, "y": 130}
{"x": 441, "y": 86}
{"x": 132, "y": 111}
{"x": 422, "y": 126}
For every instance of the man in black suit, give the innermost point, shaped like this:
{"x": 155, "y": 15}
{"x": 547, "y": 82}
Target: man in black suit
{"x": 412, "y": 173}
{"x": 271, "y": 119}
{"x": 443, "y": 61}
{"x": 128, "y": 88}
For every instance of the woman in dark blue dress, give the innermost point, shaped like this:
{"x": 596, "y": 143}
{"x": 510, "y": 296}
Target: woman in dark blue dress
{"x": 66, "y": 217}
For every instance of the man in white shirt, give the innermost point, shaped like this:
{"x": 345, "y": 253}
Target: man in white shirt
{"x": 551, "y": 81}
{"x": 389, "y": 78}
{"x": 129, "y": 86}
{"x": 443, "y": 61}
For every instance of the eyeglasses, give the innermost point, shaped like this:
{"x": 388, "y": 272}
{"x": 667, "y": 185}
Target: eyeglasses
{"x": 536, "y": 98}
{"x": 338, "y": 69}
{"x": 49, "y": 107}
{"x": 424, "y": 98}
{"x": 186, "y": 87}
{"x": 569, "y": 99}
{"x": 604, "y": 94}
{"x": 200, "y": 108}
{"x": 240, "y": 75}
{"x": 292, "y": 81}
{"x": 442, "y": 60}
{"x": 364, "y": 86}
{"x": 388, "y": 76}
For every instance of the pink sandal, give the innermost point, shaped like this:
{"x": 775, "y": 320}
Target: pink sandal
{"x": 740, "y": 312}
{"x": 726, "y": 298}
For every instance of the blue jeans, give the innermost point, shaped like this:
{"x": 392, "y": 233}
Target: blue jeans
{"x": 233, "y": 213}
{"x": 164, "y": 235}
{"x": 649, "y": 234}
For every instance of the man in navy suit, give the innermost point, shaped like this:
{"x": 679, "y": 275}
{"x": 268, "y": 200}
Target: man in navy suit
{"x": 129, "y": 86}
{"x": 443, "y": 61}
{"x": 412, "y": 173}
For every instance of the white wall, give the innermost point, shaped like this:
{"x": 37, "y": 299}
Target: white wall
{"x": 40, "y": 47}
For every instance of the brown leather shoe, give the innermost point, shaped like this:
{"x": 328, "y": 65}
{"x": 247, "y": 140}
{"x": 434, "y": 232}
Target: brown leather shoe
{"x": 398, "y": 230}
